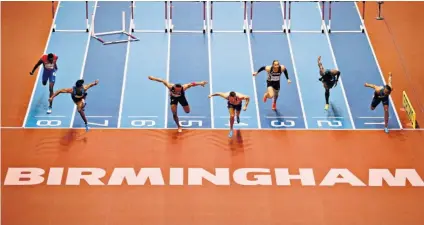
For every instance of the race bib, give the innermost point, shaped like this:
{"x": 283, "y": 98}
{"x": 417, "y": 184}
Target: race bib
{"x": 275, "y": 78}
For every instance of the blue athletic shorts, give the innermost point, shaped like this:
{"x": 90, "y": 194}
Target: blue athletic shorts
{"x": 49, "y": 75}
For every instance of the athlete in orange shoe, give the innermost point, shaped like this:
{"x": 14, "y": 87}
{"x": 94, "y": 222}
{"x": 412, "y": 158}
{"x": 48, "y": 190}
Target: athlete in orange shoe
{"x": 273, "y": 80}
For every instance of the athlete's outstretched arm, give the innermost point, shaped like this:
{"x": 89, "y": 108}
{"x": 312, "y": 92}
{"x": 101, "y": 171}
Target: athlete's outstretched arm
{"x": 36, "y": 66}
{"x": 260, "y": 70}
{"x": 220, "y": 94}
{"x": 321, "y": 68}
{"x": 284, "y": 69}
{"x": 194, "y": 84}
{"x": 63, "y": 90}
{"x": 390, "y": 80}
{"x": 247, "y": 98}
{"x": 373, "y": 86}
{"x": 164, "y": 82}
{"x": 88, "y": 86}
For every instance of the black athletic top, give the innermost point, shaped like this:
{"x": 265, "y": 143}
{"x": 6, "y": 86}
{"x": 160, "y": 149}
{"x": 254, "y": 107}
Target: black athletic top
{"x": 78, "y": 93}
{"x": 274, "y": 76}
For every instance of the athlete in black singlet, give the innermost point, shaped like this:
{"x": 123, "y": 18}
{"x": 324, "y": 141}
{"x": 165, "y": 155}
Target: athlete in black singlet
{"x": 177, "y": 95}
{"x": 273, "y": 80}
{"x": 234, "y": 104}
{"x": 329, "y": 79}
{"x": 78, "y": 95}
{"x": 381, "y": 94}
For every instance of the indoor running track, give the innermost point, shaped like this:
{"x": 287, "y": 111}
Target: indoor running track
{"x": 125, "y": 98}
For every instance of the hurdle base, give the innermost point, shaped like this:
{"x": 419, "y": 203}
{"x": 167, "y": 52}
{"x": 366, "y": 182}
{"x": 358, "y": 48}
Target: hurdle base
{"x": 132, "y": 38}
{"x": 69, "y": 31}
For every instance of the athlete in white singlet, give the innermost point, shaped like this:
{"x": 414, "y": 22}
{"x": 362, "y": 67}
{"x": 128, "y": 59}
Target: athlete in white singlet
{"x": 234, "y": 104}
{"x": 273, "y": 80}
{"x": 177, "y": 95}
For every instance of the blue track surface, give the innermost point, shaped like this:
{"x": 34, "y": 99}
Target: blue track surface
{"x": 126, "y": 98}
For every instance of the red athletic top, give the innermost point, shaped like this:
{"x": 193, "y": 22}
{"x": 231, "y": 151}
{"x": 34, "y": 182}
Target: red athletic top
{"x": 47, "y": 64}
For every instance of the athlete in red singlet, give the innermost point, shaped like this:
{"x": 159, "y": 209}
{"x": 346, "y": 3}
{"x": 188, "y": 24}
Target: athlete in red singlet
{"x": 177, "y": 95}
{"x": 49, "y": 62}
{"x": 234, "y": 103}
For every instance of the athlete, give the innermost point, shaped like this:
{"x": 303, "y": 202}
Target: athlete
{"x": 234, "y": 104}
{"x": 329, "y": 79}
{"x": 381, "y": 94}
{"x": 177, "y": 95}
{"x": 49, "y": 62}
{"x": 78, "y": 95}
{"x": 273, "y": 80}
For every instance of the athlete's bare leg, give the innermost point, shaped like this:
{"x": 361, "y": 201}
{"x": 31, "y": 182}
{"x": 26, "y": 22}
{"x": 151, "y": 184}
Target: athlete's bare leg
{"x": 175, "y": 116}
{"x": 51, "y": 85}
{"x": 232, "y": 114}
{"x": 238, "y": 116}
{"x": 186, "y": 108}
{"x": 386, "y": 117}
{"x": 80, "y": 109}
{"x": 269, "y": 93}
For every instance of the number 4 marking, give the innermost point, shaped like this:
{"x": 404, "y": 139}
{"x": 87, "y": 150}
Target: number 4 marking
{"x": 105, "y": 124}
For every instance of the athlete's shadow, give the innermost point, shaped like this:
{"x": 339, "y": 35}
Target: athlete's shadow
{"x": 71, "y": 137}
{"x": 236, "y": 143}
{"x": 279, "y": 116}
{"x": 334, "y": 112}
{"x": 51, "y": 144}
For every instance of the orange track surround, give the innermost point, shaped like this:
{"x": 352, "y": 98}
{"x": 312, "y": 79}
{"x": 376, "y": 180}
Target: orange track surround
{"x": 209, "y": 204}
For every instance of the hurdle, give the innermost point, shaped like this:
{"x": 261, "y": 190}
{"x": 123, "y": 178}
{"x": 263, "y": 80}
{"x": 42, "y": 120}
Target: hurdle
{"x": 251, "y": 30}
{"x": 123, "y": 31}
{"x": 54, "y": 14}
{"x": 361, "y": 26}
{"x": 287, "y": 20}
{"x": 171, "y": 25}
{"x": 245, "y": 21}
{"x": 133, "y": 27}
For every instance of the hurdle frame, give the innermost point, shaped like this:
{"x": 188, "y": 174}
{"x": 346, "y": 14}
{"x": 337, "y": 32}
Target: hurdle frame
{"x": 245, "y": 19}
{"x": 133, "y": 25}
{"x": 54, "y": 14}
{"x": 361, "y": 26}
{"x": 251, "y": 30}
{"x": 123, "y": 31}
{"x": 171, "y": 25}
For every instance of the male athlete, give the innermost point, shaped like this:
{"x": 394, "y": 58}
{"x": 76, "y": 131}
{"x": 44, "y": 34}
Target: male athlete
{"x": 329, "y": 79}
{"x": 235, "y": 100}
{"x": 273, "y": 80}
{"x": 381, "y": 94}
{"x": 177, "y": 95}
{"x": 78, "y": 95}
{"x": 49, "y": 73}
